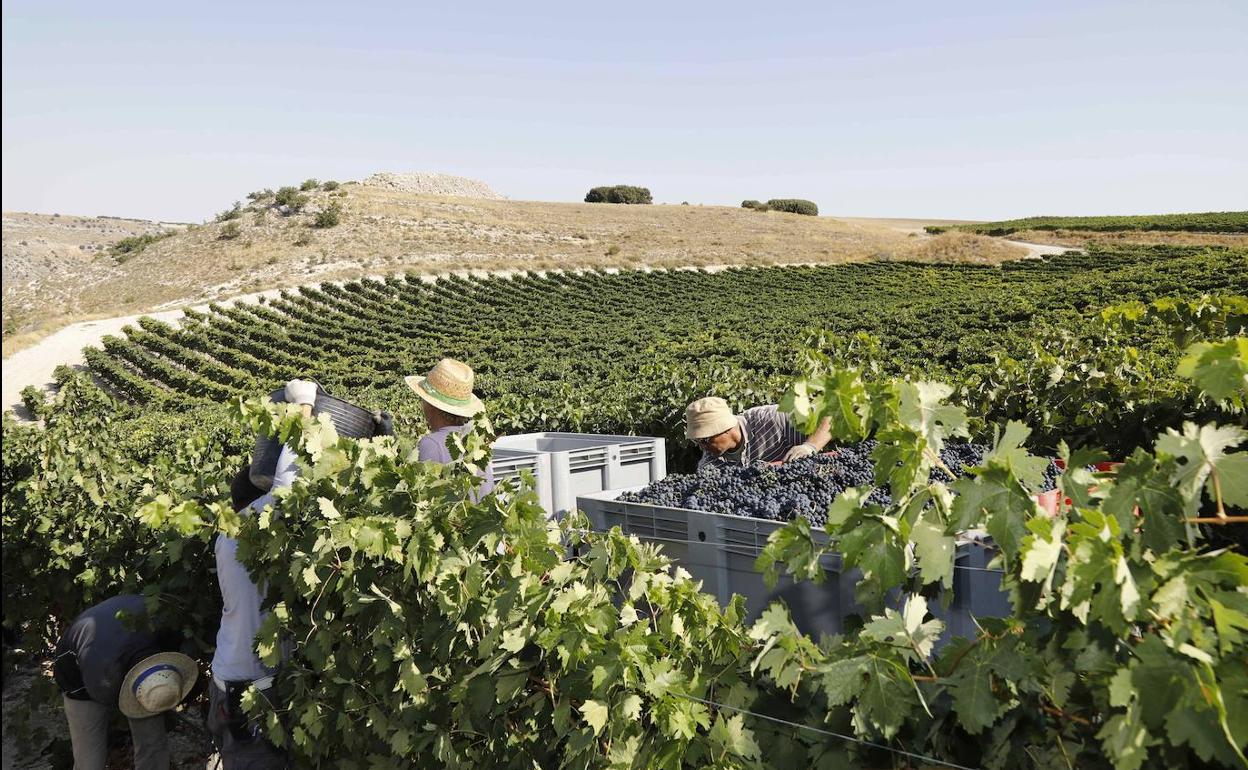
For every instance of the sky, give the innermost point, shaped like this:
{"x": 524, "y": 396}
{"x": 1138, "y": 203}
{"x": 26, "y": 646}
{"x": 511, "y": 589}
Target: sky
{"x": 951, "y": 109}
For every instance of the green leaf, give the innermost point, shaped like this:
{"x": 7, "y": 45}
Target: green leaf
{"x": 842, "y": 680}
{"x": 731, "y": 735}
{"x": 1126, "y": 740}
{"x": 1008, "y": 452}
{"x": 1232, "y": 473}
{"x": 933, "y": 549}
{"x": 595, "y": 714}
{"x": 1042, "y": 549}
{"x": 411, "y": 679}
{"x": 1219, "y": 369}
{"x": 1201, "y": 451}
{"x": 630, "y": 707}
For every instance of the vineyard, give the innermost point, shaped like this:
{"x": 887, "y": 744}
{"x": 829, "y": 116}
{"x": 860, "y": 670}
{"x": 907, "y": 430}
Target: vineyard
{"x": 1210, "y": 222}
{"x": 479, "y": 634}
{"x": 624, "y": 352}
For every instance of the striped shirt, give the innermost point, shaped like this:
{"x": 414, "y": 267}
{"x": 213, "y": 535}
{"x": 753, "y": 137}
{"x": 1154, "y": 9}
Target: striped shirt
{"x": 767, "y": 435}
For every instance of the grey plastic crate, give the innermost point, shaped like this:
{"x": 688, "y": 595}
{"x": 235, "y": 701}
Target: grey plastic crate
{"x": 720, "y": 551}
{"x": 584, "y": 463}
{"x": 511, "y": 463}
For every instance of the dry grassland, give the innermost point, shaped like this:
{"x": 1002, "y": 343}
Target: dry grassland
{"x": 386, "y": 231}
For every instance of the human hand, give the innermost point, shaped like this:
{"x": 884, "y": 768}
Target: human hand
{"x": 383, "y": 424}
{"x": 301, "y": 392}
{"x": 799, "y": 451}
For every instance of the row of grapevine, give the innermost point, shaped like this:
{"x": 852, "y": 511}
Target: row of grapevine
{"x": 624, "y": 352}
{"x": 1207, "y": 222}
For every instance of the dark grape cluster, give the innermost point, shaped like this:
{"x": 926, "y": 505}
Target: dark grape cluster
{"x": 803, "y": 487}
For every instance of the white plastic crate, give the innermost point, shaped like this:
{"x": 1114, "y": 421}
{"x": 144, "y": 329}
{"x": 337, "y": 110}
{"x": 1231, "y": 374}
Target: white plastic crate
{"x": 585, "y": 463}
{"x": 511, "y": 463}
{"x": 720, "y": 550}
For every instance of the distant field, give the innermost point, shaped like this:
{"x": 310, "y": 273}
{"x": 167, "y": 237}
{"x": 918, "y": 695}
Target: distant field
{"x": 1207, "y": 222}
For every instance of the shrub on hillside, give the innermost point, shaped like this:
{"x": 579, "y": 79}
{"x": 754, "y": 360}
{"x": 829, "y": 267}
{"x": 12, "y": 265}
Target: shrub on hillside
{"x": 259, "y": 195}
{"x": 794, "y": 206}
{"x": 329, "y": 186}
{"x": 291, "y": 199}
{"x": 233, "y": 213}
{"x": 934, "y": 229}
{"x": 229, "y": 232}
{"x": 309, "y": 184}
{"x": 329, "y": 216}
{"x": 130, "y": 247}
{"x": 752, "y": 204}
{"x": 620, "y": 193}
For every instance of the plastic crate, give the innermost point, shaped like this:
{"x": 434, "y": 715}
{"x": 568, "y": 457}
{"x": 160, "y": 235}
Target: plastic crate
{"x": 720, "y": 550}
{"x": 511, "y": 463}
{"x": 585, "y": 463}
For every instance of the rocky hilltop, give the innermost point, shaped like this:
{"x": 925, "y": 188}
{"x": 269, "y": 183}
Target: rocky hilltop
{"x": 425, "y": 183}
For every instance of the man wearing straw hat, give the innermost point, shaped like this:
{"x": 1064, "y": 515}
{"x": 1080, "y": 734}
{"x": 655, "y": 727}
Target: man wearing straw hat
{"x": 761, "y": 434}
{"x": 109, "y": 660}
{"x": 449, "y": 404}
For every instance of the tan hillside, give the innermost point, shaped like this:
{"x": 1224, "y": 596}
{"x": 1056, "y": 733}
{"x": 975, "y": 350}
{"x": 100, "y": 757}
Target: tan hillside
{"x": 48, "y": 258}
{"x": 385, "y": 229}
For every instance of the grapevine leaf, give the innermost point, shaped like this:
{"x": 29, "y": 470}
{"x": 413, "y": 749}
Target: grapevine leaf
{"x": 731, "y": 735}
{"x": 933, "y": 549}
{"x": 886, "y": 698}
{"x": 843, "y": 679}
{"x": 1201, "y": 451}
{"x": 1233, "y": 479}
{"x": 595, "y": 714}
{"x": 1140, "y": 484}
{"x": 1126, "y": 740}
{"x": 1008, "y": 452}
{"x": 1219, "y": 369}
{"x": 1042, "y": 549}
{"x": 976, "y": 706}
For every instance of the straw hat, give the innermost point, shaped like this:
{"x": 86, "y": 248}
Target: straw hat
{"x": 708, "y": 417}
{"x": 448, "y": 386}
{"x": 158, "y": 683}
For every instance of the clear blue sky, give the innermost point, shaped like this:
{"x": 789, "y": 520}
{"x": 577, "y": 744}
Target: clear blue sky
{"x": 982, "y": 109}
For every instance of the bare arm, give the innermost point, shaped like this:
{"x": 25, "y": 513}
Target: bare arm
{"x": 822, "y": 435}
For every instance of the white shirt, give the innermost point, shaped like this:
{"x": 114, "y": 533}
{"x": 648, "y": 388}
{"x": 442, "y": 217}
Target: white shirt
{"x": 235, "y": 659}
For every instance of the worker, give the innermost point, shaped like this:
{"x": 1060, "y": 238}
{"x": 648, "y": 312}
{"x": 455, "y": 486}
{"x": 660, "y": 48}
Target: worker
{"x": 760, "y": 434}
{"x": 449, "y": 405}
{"x": 235, "y": 666}
{"x": 108, "y": 660}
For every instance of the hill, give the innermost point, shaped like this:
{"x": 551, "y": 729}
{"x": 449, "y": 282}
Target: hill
{"x": 49, "y": 257}
{"x": 384, "y": 228}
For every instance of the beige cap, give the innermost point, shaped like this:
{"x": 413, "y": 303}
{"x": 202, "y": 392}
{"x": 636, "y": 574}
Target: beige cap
{"x": 448, "y": 386}
{"x": 708, "y": 417}
{"x": 156, "y": 684}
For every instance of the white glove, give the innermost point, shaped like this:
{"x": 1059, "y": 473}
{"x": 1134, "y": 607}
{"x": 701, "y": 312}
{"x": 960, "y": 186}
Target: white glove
{"x": 800, "y": 451}
{"x": 301, "y": 392}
